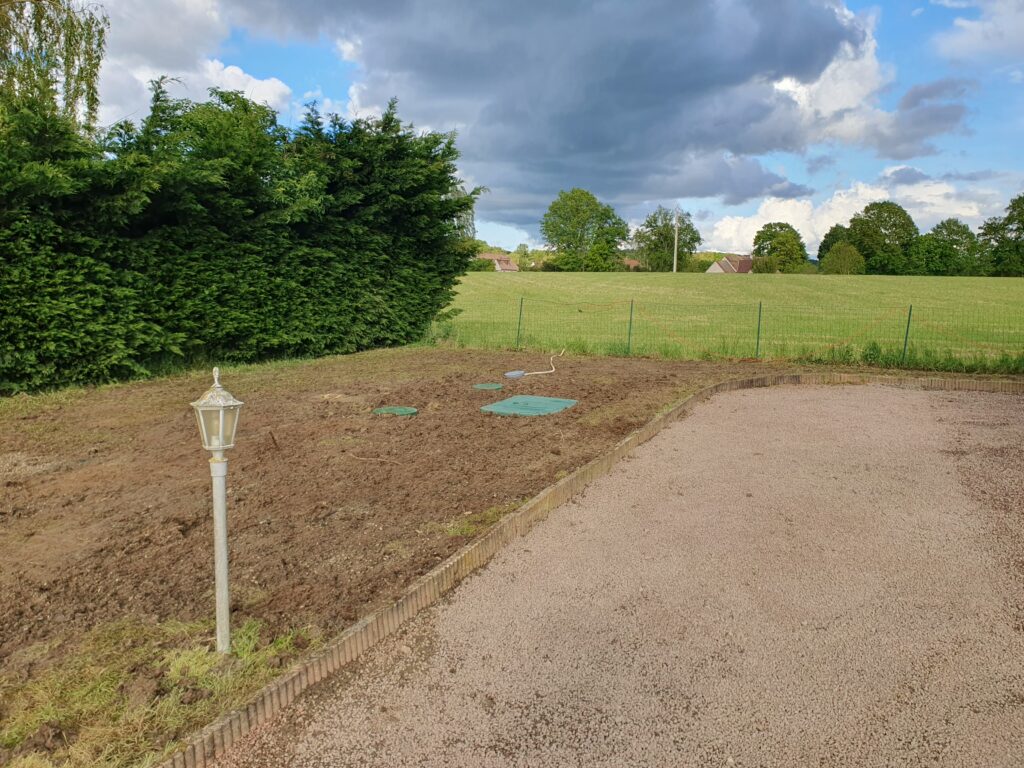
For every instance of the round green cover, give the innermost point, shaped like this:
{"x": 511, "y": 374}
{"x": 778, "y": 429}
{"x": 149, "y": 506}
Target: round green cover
{"x": 487, "y": 386}
{"x": 396, "y": 410}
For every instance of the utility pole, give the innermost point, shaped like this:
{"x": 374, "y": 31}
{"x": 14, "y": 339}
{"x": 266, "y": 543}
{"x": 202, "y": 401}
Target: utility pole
{"x": 675, "y": 246}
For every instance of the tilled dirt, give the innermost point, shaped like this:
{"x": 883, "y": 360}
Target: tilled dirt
{"x": 105, "y": 500}
{"x": 789, "y": 577}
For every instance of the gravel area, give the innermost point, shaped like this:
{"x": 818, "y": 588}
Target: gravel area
{"x": 788, "y": 577}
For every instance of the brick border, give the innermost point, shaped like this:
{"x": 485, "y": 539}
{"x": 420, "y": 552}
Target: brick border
{"x": 217, "y": 738}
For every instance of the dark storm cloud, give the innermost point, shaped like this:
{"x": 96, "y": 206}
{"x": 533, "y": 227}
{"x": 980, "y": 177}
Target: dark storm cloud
{"x": 636, "y": 101}
{"x": 925, "y": 111}
{"x": 820, "y": 163}
{"x": 983, "y": 175}
{"x": 938, "y": 90}
{"x": 904, "y": 175}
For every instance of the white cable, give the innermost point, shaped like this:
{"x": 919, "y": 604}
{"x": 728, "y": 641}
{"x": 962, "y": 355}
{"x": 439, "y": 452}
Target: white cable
{"x": 520, "y": 374}
{"x": 551, "y": 362}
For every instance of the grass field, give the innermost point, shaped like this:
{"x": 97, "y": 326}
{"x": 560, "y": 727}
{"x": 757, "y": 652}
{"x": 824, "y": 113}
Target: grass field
{"x": 955, "y": 323}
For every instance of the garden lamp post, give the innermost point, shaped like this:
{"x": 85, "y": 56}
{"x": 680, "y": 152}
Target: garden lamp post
{"x": 217, "y": 415}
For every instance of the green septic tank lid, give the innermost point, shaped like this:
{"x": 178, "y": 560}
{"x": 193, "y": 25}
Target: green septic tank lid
{"x": 395, "y": 410}
{"x": 528, "y": 405}
{"x": 487, "y": 386}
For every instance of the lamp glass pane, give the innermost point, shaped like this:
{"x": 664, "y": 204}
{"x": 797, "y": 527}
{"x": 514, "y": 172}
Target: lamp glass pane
{"x": 202, "y": 427}
{"x": 230, "y": 424}
{"x": 211, "y": 428}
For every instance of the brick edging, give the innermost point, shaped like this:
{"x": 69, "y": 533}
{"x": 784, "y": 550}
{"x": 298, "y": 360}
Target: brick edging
{"x": 217, "y": 738}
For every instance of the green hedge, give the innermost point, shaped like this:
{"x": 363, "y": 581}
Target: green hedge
{"x": 211, "y": 233}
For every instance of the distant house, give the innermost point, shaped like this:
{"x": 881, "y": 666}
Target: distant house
{"x": 502, "y": 261}
{"x": 732, "y": 264}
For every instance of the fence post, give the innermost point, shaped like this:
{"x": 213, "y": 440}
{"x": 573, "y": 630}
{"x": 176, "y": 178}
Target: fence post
{"x": 757, "y": 349}
{"x": 629, "y": 334}
{"x": 519, "y": 325}
{"x": 906, "y": 336}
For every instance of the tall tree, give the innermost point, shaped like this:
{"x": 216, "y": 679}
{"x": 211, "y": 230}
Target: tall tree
{"x": 883, "y": 232}
{"x": 962, "y": 245}
{"x": 778, "y": 247}
{"x": 837, "y": 233}
{"x": 949, "y": 249}
{"x": 51, "y": 51}
{"x": 655, "y": 240}
{"x": 1002, "y": 241}
{"x": 576, "y": 224}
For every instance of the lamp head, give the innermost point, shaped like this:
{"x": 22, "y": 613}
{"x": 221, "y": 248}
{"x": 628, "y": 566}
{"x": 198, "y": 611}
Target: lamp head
{"x": 217, "y": 416}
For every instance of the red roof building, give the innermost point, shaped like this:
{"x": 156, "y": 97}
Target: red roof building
{"x": 732, "y": 264}
{"x": 502, "y": 261}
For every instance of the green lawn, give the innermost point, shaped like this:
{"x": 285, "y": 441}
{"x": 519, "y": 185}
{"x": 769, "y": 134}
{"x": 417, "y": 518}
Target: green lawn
{"x": 972, "y": 323}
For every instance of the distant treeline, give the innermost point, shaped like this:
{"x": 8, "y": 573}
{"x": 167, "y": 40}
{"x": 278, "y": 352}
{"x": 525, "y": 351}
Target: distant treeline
{"x": 884, "y": 240}
{"x": 583, "y": 234}
{"x": 209, "y": 232}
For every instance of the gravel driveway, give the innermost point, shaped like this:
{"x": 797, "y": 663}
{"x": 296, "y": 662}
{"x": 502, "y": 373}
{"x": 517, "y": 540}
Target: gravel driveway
{"x": 789, "y": 577}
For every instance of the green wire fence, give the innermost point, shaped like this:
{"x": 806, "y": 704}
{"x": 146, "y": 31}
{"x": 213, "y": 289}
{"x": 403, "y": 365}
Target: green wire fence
{"x": 968, "y": 338}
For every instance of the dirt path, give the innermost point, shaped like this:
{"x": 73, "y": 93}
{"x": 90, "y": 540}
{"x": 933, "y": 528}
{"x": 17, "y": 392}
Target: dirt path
{"x": 816, "y": 576}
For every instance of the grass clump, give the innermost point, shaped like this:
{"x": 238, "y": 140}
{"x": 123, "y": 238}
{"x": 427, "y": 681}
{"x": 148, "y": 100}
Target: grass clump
{"x": 469, "y": 526}
{"x": 126, "y": 693}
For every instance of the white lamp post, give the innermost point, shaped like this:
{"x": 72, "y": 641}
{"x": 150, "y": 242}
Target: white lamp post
{"x": 217, "y": 415}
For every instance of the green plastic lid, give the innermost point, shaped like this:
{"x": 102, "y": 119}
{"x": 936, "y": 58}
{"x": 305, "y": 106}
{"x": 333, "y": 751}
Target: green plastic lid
{"x": 528, "y": 405}
{"x": 487, "y": 386}
{"x": 395, "y": 410}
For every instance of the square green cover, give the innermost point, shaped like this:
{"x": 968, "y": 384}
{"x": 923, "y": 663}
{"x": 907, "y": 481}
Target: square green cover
{"x": 528, "y": 405}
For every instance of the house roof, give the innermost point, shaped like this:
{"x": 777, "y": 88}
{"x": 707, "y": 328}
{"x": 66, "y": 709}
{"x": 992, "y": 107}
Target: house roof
{"x": 502, "y": 261}
{"x": 736, "y": 263}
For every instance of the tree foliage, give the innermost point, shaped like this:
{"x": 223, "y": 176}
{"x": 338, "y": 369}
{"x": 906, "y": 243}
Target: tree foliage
{"x": 837, "y": 233}
{"x": 585, "y": 232}
{"x": 883, "y": 233}
{"x": 1002, "y": 241}
{"x": 50, "y": 53}
{"x": 778, "y": 247}
{"x": 655, "y": 240}
{"x": 960, "y": 255}
{"x": 949, "y": 249}
{"x": 842, "y": 259}
{"x": 887, "y": 238}
{"x": 210, "y": 232}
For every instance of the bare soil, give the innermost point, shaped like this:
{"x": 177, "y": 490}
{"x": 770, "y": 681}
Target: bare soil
{"x": 825, "y": 576}
{"x": 105, "y": 505}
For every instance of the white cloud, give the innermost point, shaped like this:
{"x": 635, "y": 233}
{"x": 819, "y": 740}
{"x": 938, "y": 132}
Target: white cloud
{"x": 839, "y": 101}
{"x": 997, "y": 33}
{"x": 213, "y": 73}
{"x": 917, "y": 12}
{"x": 349, "y": 49}
{"x": 927, "y": 200}
{"x": 842, "y": 105}
{"x": 355, "y": 108}
{"x": 173, "y": 38}
{"x": 735, "y": 234}
{"x": 166, "y": 35}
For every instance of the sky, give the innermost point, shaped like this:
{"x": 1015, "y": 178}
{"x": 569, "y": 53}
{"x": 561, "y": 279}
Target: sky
{"x": 738, "y": 111}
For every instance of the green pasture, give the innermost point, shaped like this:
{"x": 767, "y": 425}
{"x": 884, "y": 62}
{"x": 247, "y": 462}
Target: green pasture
{"x": 956, "y": 323}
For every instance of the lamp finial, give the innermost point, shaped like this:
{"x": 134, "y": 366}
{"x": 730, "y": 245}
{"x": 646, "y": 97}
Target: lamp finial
{"x": 216, "y": 377}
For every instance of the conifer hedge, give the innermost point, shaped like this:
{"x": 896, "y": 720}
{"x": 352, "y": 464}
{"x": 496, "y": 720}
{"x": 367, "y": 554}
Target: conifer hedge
{"x": 209, "y": 232}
